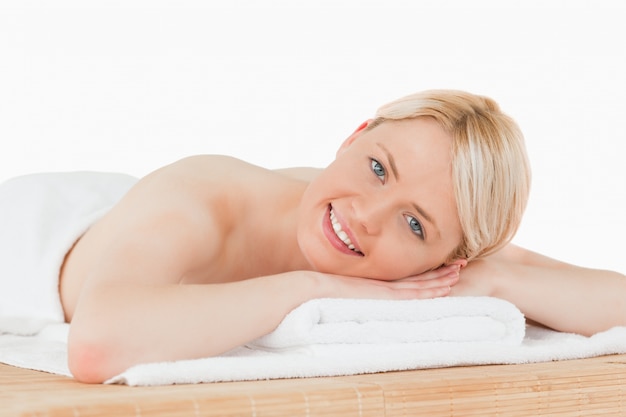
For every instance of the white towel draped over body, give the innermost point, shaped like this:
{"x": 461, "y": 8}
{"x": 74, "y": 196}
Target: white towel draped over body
{"x": 41, "y": 218}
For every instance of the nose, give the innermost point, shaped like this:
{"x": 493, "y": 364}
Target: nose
{"x": 370, "y": 213}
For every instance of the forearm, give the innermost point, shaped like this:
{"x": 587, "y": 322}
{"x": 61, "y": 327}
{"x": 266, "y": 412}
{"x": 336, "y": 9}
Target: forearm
{"x": 562, "y": 296}
{"x": 117, "y": 327}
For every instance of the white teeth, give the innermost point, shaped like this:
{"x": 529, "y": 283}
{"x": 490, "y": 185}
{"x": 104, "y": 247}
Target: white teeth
{"x": 339, "y": 232}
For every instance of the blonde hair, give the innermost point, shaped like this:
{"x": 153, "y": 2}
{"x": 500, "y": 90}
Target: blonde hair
{"x": 490, "y": 168}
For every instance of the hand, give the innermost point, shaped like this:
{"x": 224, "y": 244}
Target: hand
{"x": 431, "y": 284}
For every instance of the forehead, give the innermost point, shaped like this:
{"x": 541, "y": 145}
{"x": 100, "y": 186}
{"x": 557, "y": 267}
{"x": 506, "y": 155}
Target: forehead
{"x": 418, "y": 141}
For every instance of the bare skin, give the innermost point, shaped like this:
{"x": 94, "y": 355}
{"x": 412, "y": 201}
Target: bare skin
{"x": 551, "y": 293}
{"x": 135, "y": 290}
{"x": 210, "y": 252}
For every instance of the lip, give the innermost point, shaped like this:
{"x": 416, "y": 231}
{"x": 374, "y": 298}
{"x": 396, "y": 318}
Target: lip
{"x": 329, "y": 232}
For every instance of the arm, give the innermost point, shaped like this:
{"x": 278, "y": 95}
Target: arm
{"x": 119, "y": 326}
{"x": 136, "y": 307}
{"x": 558, "y": 295}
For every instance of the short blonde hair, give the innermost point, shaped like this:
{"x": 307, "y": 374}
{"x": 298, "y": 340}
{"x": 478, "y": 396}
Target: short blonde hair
{"x": 490, "y": 168}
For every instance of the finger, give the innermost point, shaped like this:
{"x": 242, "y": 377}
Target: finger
{"x": 442, "y": 274}
{"x": 423, "y": 294}
{"x": 435, "y": 273}
{"x": 447, "y": 280}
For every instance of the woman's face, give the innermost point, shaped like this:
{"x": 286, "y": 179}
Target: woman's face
{"x": 385, "y": 207}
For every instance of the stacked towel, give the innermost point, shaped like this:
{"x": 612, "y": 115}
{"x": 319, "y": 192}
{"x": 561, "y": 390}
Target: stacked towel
{"x": 440, "y": 320}
{"x": 345, "y": 337}
{"x": 328, "y": 337}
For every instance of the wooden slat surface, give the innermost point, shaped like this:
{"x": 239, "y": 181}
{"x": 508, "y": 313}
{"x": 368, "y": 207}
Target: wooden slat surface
{"x": 585, "y": 387}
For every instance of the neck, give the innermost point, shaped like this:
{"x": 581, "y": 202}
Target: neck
{"x": 277, "y": 241}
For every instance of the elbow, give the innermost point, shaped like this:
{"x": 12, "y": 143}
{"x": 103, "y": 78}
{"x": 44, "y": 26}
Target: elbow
{"x": 91, "y": 362}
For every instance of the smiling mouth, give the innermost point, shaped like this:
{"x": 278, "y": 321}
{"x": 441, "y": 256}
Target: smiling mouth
{"x": 342, "y": 235}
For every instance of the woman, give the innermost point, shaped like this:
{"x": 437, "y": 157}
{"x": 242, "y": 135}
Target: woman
{"x": 210, "y": 252}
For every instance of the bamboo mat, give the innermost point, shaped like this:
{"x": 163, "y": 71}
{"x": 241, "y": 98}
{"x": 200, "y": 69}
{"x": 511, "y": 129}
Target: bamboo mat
{"x": 567, "y": 388}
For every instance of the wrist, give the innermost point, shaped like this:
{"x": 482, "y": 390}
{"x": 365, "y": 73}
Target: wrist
{"x": 302, "y": 286}
{"x": 318, "y": 285}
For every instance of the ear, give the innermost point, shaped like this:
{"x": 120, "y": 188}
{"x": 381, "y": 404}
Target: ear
{"x": 462, "y": 263}
{"x": 353, "y": 136}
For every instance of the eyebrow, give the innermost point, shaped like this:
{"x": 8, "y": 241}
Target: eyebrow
{"x": 392, "y": 162}
{"x": 394, "y": 169}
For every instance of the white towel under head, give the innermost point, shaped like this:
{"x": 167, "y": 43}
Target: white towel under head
{"x": 352, "y": 321}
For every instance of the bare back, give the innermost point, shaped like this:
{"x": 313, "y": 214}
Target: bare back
{"x": 204, "y": 219}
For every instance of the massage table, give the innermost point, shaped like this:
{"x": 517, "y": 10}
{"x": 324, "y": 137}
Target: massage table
{"x": 581, "y": 387}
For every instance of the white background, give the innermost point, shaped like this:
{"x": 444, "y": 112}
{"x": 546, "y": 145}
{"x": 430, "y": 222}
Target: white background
{"x": 132, "y": 85}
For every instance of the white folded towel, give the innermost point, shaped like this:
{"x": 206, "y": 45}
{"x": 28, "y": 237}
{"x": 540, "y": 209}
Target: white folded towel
{"x": 351, "y": 321}
{"x": 283, "y": 355}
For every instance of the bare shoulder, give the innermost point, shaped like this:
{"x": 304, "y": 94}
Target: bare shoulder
{"x": 218, "y": 166}
{"x": 174, "y": 226}
{"x": 191, "y": 206}
{"x": 300, "y": 173}
{"x": 171, "y": 222}
{"x": 185, "y": 201}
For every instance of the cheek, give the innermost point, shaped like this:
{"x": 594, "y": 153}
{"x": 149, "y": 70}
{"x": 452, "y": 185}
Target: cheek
{"x": 396, "y": 262}
{"x": 311, "y": 239}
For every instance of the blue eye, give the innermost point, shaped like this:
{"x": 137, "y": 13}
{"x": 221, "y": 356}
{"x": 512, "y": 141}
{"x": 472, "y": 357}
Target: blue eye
{"x": 378, "y": 169}
{"x": 415, "y": 225}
